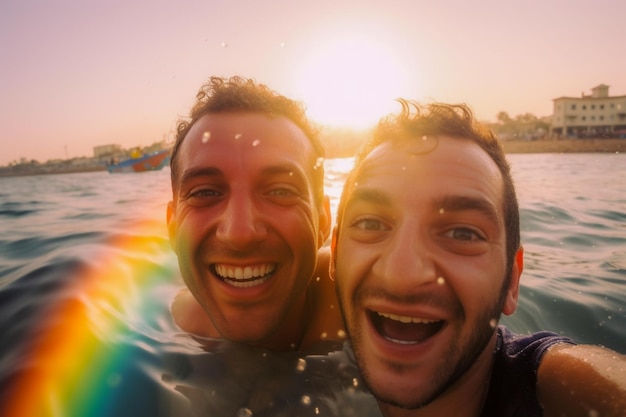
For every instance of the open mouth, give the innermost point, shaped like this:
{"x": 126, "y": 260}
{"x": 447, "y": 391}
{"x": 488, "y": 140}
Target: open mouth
{"x": 404, "y": 330}
{"x": 244, "y": 277}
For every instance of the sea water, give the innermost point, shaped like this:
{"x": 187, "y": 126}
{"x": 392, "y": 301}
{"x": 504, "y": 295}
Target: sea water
{"x": 87, "y": 276}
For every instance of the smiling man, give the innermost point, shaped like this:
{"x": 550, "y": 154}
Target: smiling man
{"x": 426, "y": 257}
{"x": 247, "y": 218}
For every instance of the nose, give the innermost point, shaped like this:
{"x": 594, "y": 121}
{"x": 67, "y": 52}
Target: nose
{"x": 241, "y": 225}
{"x": 406, "y": 262}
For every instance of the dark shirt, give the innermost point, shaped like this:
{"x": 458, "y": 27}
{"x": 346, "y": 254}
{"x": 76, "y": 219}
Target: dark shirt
{"x": 517, "y": 357}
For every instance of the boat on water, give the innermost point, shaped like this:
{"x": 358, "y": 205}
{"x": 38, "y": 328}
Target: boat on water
{"x": 148, "y": 162}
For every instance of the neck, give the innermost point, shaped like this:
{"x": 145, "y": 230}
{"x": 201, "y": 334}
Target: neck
{"x": 291, "y": 332}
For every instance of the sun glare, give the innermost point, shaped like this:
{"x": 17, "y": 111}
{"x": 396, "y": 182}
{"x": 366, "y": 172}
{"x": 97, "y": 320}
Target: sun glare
{"x": 350, "y": 81}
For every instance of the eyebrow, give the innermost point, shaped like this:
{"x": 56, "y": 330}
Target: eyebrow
{"x": 464, "y": 203}
{"x": 453, "y": 203}
{"x": 282, "y": 170}
{"x": 285, "y": 169}
{"x": 199, "y": 172}
{"x": 368, "y": 195}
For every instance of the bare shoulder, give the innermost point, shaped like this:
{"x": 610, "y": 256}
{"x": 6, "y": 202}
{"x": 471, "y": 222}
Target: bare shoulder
{"x": 189, "y": 315}
{"x": 582, "y": 380}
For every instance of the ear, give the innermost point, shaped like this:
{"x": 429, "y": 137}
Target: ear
{"x": 324, "y": 222}
{"x": 512, "y": 294}
{"x": 333, "y": 254}
{"x": 171, "y": 225}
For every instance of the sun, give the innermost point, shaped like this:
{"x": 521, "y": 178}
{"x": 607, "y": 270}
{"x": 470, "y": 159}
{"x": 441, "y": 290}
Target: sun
{"x": 351, "y": 80}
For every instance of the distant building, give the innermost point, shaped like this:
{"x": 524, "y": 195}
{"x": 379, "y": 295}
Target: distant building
{"x": 106, "y": 151}
{"x": 595, "y": 115}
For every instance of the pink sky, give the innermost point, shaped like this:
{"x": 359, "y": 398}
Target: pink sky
{"x": 76, "y": 74}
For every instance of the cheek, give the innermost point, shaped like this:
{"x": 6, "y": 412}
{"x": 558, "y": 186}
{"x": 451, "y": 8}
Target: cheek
{"x": 351, "y": 263}
{"x": 475, "y": 284}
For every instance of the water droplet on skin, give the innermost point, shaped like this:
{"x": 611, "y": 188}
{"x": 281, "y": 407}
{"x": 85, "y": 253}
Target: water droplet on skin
{"x": 318, "y": 163}
{"x": 206, "y": 136}
{"x": 493, "y": 323}
{"x": 244, "y": 412}
{"x": 238, "y": 136}
{"x": 424, "y": 137}
{"x": 301, "y": 365}
{"x": 256, "y": 142}
{"x": 341, "y": 334}
{"x": 442, "y": 210}
{"x": 291, "y": 173}
{"x": 441, "y": 280}
{"x": 305, "y": 400}
{"x": 317, "y": 279}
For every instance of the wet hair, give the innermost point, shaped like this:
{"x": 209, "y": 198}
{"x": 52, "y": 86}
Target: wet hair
{"x": 417, "y": 121}
{"x": 238, "y": 94}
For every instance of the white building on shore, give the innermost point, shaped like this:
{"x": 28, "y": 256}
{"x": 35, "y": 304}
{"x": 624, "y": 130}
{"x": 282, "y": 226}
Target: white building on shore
{"x": 595, "y": 115}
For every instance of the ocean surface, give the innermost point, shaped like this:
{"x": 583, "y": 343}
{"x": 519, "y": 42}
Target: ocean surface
{"x": 87, "y": 275}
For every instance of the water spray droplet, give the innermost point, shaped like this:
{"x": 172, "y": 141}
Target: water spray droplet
{"x": 206, "y": 136}
{"x": 244, "y": 412}
{"x": 301, "y": 365}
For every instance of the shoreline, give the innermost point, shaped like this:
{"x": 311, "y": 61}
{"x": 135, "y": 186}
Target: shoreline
{"x": 510, "y": 147}
{"x": 565, "y": 146}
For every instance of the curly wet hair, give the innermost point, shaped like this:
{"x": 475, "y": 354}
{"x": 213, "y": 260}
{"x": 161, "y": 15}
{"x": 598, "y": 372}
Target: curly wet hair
{"x": 239, "y": 94}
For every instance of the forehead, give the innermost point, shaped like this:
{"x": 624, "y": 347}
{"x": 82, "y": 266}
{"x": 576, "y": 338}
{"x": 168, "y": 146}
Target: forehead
{"x": 246, "y": 137}
{"x": 454, "y": 166}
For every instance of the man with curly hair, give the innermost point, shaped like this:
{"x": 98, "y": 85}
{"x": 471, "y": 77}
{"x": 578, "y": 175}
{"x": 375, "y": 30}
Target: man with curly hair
{"x": 426, "y": 258}
{"x": 247, "y": 218}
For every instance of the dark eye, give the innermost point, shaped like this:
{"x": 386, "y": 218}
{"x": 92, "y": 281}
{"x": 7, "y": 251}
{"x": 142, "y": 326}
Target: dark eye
{"x": 283, "y": 195}
{"x": 464, "y": 233}
{"x": 282, "y": 192}
{"x": 370, "y": 224}
{"x": 203, "y": 193}
{"x": 200, "y": 197}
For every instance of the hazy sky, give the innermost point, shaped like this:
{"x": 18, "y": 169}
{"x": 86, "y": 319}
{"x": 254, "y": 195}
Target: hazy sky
{"x": 77, "y": 73}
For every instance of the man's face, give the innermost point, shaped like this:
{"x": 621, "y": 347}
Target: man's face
{"x": 245, "y": 223}
{"x": 420, "y": 261}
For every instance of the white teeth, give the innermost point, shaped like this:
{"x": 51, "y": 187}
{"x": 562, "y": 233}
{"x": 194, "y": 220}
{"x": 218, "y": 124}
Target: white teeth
{"x": 245, "y": 284}
{"x": 258, "y": 271}
{"x": 406, "y": 319}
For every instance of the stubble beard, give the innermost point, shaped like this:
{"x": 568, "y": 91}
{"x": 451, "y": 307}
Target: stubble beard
{"x": 455, "y": 362}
